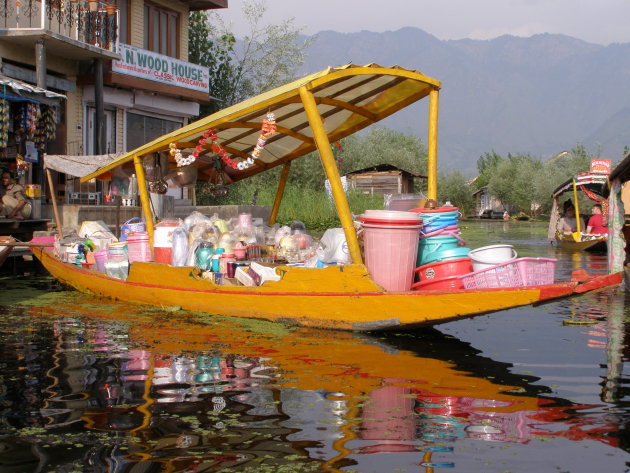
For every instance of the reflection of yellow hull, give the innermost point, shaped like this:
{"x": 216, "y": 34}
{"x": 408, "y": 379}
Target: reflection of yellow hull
{"x": 334, "y": 297}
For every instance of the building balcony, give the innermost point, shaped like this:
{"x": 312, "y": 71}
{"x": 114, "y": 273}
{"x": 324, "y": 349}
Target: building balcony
{"x": 76, "y": 29}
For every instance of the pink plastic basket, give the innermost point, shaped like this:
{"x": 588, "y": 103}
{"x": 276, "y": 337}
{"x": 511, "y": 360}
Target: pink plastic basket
{"x": 516, "y": 273}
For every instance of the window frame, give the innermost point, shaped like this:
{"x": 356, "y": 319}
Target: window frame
{"x": 154, "y": 12}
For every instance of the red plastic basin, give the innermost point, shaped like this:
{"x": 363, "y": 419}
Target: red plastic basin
{"x": 451, "y": 282}
{"x": 443, "y": 269}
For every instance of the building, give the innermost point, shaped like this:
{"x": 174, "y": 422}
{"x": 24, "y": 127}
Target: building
{"x": 383, "y": 179}
{"x": 107, "y": 77}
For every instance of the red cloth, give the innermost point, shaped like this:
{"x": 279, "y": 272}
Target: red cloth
{"x": 596, "y": 222}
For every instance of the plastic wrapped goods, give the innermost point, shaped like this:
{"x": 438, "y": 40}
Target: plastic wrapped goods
{"x": 333, "y": 247}
{"x": 180, "y": 247}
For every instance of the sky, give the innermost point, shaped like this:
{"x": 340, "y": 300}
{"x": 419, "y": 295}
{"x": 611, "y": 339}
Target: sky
{"x": 595, "y": 21}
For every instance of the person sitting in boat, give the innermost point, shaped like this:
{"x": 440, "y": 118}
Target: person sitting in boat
{"x": 568, "y": 223}
{"x": 596, "y": 224}
{"x": 14, "y": 205}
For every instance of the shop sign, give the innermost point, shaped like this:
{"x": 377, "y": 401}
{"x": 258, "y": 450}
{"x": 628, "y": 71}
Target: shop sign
{"x": 157, "y": 67}
{"x": 600, "y": 166}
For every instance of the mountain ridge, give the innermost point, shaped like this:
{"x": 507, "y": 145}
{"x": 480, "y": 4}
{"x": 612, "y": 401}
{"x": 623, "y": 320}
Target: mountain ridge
{"x": 537, "y": 95}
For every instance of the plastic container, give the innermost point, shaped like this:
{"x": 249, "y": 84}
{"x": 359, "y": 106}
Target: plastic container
{"x": 443, "y": 269}
{"x": 430, "y": 249}
{"x": 138, "y": 247}
{"x": 390, "y": 253}
{"x": 100, "y": 256}
{"x": 163, "y": 242}
{"x": 488, "y": 256}
{"x": 391, "y": 215}
{"x": 516, "y": 273}
{"x": 179, "y": 251}
{"x": 451, "y": 282}
{"x": 117, "y": 265}
{"x": 133, "y": 225}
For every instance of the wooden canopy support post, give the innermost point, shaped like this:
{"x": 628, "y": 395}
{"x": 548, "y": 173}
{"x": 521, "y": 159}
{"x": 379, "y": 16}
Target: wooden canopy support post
{"x": 284, "y": 175}
{"x": 332, "y": 173}
{"x": 53, "y": 198}
{"x": 144, "y": 196}
{"x": 576, "y": 205}
{"x": 432, "y": 144}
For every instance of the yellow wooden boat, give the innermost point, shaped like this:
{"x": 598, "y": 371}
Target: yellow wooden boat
{"x": 310, "y": 113}
{"x": 595, "y": 186}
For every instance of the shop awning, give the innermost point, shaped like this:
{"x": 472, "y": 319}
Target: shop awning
{"x": 348, "y": 99}
{"x": 17, "y": 90}
{"x": 78, "y": 166}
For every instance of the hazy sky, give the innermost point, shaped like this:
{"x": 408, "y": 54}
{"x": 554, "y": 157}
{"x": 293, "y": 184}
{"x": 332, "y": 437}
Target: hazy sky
{"x": 595, "y": 21}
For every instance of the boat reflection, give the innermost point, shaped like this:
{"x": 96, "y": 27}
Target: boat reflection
{"x": 124, "y": 386}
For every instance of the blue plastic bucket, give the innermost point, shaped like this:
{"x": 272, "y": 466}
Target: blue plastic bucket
{"x": 443, "y": 255}
{"x": 430, "y": 249}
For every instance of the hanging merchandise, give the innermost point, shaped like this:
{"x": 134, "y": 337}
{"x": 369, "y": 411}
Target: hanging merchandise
{"x": 32, "y": 117}
{"x": 21, "y": 165}
{"x": 49, "y": 119}
{"x": 4, "y": 123}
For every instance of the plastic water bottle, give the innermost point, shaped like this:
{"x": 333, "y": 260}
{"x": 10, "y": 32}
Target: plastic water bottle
{"x": 180, "y": 247}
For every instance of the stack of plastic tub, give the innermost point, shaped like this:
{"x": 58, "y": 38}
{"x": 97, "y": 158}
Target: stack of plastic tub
{"x": 442, "y": 254}
{"x": 138, "y": 247}
{"x": 391, "y": 245}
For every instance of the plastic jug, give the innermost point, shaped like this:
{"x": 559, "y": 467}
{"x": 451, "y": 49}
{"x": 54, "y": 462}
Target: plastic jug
{"x": 180, "y": 247}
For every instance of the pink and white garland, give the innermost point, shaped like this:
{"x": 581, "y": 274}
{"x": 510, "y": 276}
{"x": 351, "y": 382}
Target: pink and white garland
{"x": 269, "y": 128}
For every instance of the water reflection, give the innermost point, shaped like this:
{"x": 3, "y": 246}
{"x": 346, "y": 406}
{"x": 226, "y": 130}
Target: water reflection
{"x": 116, "y": 388}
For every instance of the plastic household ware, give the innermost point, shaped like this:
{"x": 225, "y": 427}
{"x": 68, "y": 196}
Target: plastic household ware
{"x": 240, "y": 250}
{"x": 488, "y": 256}
{"x": 443, "y": 269}
{"x": 245, "y": 220}
{"x": 391, "y": 248}
{"x": 451, "y": 282}
{"x": 448, "y": 254}
{"x": 180, "y": 247}
{"x": 429, "y": 249}
{"x": 516, "y": 273}
{"x": 203, "y": 256}
{"x": 163, "y": 241}
{"x": 133, "y": 225}
{"x": 138, "y": 247}
{"x": 100, "y": 256}
{"x": 117, "y": 265}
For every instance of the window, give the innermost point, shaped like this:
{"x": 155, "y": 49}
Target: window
{"x": 143, "y": 128}
{"x": 123, "y": 20}
{"x": 160, "y": 30}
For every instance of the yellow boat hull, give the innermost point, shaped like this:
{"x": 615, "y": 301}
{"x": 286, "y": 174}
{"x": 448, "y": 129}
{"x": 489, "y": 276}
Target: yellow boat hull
{"x": 337, "y": 297}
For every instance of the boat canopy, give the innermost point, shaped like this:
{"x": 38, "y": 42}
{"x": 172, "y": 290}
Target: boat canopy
{"x": 348, "y": 99}
{"x": 596, "y": 183}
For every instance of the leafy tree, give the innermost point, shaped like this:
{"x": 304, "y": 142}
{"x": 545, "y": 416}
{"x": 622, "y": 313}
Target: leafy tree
{"x": 453, "y": 187}
{"x": 216, "y": 52}
{"x": 486, "y": 164}
{"x": 268, "y": 56}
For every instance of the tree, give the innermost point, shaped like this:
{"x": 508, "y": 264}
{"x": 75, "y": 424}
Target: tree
{"x": 453, "y": 187}
{"x": 267, "y": 57}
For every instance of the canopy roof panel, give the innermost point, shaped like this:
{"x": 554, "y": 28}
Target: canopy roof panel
{"x": 594, "y": 182}
{"x": 348, "y": 98}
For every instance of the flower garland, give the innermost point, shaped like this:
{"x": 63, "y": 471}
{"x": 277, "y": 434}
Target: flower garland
{"x": 269, "y": 128}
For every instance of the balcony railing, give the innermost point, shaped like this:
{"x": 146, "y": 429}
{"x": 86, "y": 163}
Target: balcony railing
{"x": 89, "y": 22}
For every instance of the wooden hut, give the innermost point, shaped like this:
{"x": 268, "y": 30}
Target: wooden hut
{"x": 383, "y": 179}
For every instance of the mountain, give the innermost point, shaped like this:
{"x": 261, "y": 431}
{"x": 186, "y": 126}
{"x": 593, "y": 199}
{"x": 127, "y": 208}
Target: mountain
{"x": 538, "y": 95}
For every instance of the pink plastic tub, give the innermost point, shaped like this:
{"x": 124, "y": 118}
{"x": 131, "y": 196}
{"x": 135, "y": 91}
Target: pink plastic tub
{"x": 100, "y": 257}
{"x": 390, "y": 253}
{"x": 138, "y": 247}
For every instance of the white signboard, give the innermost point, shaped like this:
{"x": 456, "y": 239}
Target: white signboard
{"x": 157, "y": 67}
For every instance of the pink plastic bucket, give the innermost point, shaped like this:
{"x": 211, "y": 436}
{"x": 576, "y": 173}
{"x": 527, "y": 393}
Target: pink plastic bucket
{"x": 100, "y": 256}
{"x": 390, "y": 254}
{"x": 138, "y": 247}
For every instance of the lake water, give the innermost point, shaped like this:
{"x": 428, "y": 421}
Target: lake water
{"x": 89, "y": 385}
